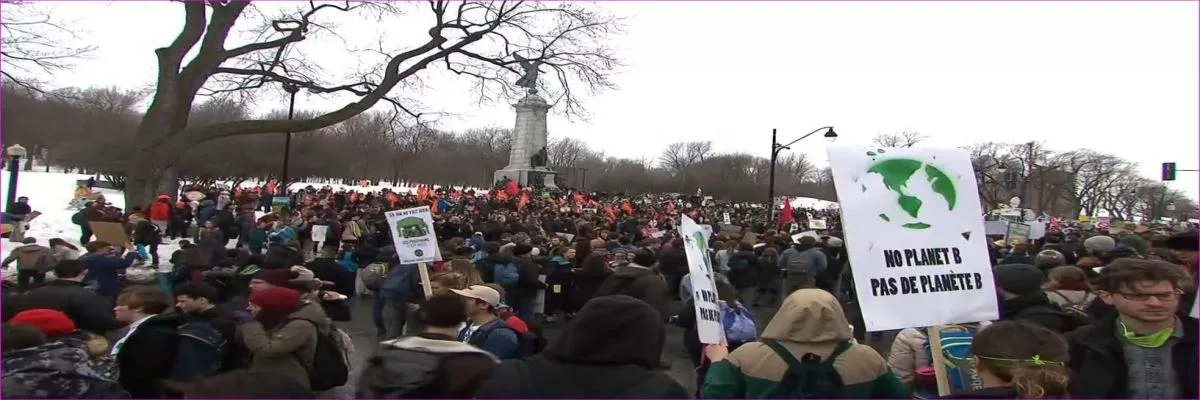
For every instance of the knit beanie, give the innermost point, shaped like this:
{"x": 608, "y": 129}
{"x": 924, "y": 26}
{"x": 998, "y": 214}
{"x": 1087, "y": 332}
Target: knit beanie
{"x": 1019, "y": 279}
{"x": 279, "y": 300}
{"x": 52, "y": 323}
{"x": 522, "y": 249}
{"x": 1101, "y": 243}
{"x": 277, "y": 277}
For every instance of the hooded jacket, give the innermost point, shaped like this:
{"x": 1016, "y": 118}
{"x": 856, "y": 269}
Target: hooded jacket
{"x": 31, "y": 257}
{"x": 609, "y": 350}
{"x": 809, "y": 321}
{"x": 458, "y": 369}
{"x": 54, "y": 370}
{"x": 640, "y": 283}
{"x": 86, "y": 308}
{"x": 287, "y": 349}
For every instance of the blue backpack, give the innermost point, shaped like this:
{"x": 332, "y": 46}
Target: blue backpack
{"x": 201, "y": 354}
{"x": 506, "y": 274}
{"x": 739, "y": 326}
{"x": 399, "y": 285}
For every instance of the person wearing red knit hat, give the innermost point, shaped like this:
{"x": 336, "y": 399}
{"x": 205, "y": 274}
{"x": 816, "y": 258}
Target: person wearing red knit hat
{"x": 281, "y": 322}
{"x": 53, "y": 323}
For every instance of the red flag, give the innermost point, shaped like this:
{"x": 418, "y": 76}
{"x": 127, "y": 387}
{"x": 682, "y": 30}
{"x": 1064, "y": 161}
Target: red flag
{"x": 521, "y": 203}
{"x": 670, "y": 208}
{"x": 612, "y": 214}
{"x": 786, "y": 215}
{"x": 512, "y": 188}
{"x": 627, "y": 207}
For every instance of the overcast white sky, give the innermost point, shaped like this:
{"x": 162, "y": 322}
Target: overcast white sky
{"x": 1116, "y": 77}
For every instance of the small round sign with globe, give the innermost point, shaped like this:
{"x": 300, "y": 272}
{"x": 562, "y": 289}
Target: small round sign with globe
{"x": 910, "y": 182}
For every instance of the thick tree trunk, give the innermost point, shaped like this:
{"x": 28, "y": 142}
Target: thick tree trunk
{"x": 148, "y": 177}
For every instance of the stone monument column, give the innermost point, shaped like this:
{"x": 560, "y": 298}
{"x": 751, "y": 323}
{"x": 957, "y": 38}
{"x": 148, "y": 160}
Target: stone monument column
{"x": 529, "y": 139}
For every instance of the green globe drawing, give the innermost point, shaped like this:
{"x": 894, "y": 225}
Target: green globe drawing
{"x": 897, "y": 174}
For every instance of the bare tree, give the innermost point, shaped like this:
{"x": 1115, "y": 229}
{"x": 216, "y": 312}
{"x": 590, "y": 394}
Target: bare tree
{"x": 899, "y": 140}
{"x": 566, "y": 152}
{"x": 33, "y": 45}
{"x": 566, "y": 38}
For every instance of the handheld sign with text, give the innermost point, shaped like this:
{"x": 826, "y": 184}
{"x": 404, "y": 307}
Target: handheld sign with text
{"x": 725, "y": 218}
{"x": 1017, "y": 233}
{"x": 708, "y": 312}
{"x": 914, "y": 230}
{"x": 320, "y": 232}
{"x": 817, "y": 224}
{"x": 414, "y": 239}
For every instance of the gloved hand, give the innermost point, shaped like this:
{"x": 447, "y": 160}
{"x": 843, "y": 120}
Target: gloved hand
{"x": 242, "y": 316}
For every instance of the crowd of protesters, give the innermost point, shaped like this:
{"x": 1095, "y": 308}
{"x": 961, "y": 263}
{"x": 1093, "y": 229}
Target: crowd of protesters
{"x": 249, "y": 305}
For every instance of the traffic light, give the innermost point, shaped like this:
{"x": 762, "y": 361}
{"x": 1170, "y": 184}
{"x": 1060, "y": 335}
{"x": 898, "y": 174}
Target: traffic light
{"x": 1168, "y": 171}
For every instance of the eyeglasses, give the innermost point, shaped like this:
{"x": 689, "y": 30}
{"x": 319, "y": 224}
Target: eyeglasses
{"x": 1164, "y": 297}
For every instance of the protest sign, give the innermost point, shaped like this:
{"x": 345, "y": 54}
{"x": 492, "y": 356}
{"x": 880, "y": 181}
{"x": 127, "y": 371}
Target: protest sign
{"x": 320, "y": 233}
{"x": 725, "y": 218}
{"x": 1017, "y": 233}
{"x": 278, "y": 203}
{"x": 708, "y": 231}
{"x": 817, "y": 224}
{"x": 111, "y": 232}
{"x": 952, "y": 360}
{"x": 708, "y": 312}
{"x": 914, "y": 230}
{"x": 413, "y": 235}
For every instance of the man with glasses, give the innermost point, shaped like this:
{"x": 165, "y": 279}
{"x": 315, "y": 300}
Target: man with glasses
{"x": 1145, "y": 348}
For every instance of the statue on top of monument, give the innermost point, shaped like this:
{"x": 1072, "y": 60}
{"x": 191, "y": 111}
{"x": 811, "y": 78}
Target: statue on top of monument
{"x": 540, "y": 159}
{"x": 530, "y": 77}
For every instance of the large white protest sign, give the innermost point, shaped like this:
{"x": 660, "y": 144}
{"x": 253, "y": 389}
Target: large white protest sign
{"x": 817, "y": 224}
{"x": 708, "y": 312}
{"x": 915, "y": 235}
{"x": 320, "y": 233}
{"x": 413, "y": 235}
{"x": 725, "y": 218}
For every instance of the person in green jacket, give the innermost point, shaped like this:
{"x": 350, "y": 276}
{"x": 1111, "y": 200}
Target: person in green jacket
{"x": 810, "y": 322}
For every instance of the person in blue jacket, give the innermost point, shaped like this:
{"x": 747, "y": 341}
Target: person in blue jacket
{"x": 104, "y": 266}
{"x": 484, "y": 330}
{"x": 281, "y": 234}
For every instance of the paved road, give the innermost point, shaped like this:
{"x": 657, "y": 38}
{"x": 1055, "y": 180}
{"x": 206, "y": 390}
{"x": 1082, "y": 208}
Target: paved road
{"x": 363, "y": 333}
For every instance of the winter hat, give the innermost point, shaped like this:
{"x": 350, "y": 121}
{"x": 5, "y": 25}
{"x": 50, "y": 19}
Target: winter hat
{"x": 277, "y": 277}
{"x": 52, "y": 323}
{"x": 278, "y": 300}
{"x": 1186, "y": 241}
{"x": 1049, "y": 259}
{"x": 522, "y": 249}
{"x": 1019, "y": 279}
{"x": 1101, "y": 243}
{"x": 1136, "y": 243}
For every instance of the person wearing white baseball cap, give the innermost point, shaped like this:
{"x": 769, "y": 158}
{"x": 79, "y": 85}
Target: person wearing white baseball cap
{"x": 484, "y": 329}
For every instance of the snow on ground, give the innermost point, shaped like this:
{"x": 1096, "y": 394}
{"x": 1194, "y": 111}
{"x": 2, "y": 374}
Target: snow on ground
{"x": 50, "y": 193}
{"x": 809, "y": 202}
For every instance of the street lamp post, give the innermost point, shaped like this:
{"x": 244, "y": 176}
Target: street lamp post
{"x": 775, "y": 149}
{"x": 287, "y": 141}
{"x": 15, "y": 152}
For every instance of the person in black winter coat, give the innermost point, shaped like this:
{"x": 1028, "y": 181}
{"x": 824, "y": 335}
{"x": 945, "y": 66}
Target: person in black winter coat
{"x": 1145, "y": 346}
{"x": 147, "y": 351}
{"x": 609, "y": 350}
{"x": 1022, "y": 298}
{"x": 89, "y": 311}
{"x": 522, "y": 295}
{"x": 637, "y": 280}
{"x": 743, "y": 270}
{"x": 146, "y": 233}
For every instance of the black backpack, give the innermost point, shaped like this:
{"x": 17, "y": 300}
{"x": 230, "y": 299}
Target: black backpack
{"x": 1071, "y": 318}
{"x": 394, "y": 373}
{"x": 329, "y": 368}
{"x": 810, "y": 377}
